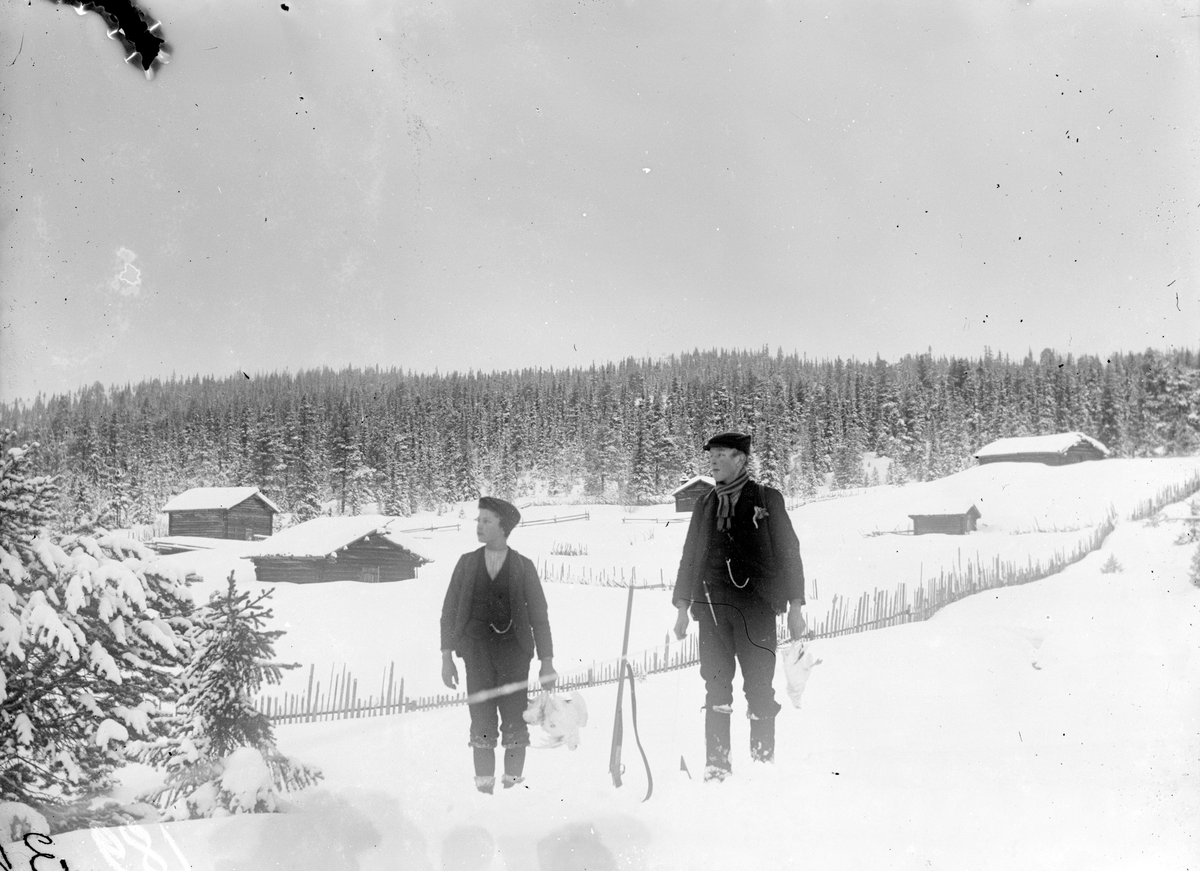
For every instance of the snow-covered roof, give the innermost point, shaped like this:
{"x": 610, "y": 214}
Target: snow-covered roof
{"x": 1057, "y": 443}
{"x": 209, "y": 498}
{"x": 325, "y": 535}
{"x": 178, "y": 543}
{"x": 938, "y": 509}
{"x": 707, "y": 480}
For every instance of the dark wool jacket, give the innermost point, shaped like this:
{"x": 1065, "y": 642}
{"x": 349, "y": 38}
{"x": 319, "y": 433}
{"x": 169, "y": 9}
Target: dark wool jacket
{"x": 773, "y": 543}
{"x": 531, "y": 622}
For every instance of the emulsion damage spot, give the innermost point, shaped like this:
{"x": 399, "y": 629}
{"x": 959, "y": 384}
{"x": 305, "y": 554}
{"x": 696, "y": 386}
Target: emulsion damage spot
{"x": 140, "y": 34}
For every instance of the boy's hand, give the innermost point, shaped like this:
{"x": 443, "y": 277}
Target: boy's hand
{"x": 449, "y": 671}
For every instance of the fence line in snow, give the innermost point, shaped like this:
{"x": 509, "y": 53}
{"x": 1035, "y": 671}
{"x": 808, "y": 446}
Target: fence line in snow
{"x": 874, "y": 610}
{"x": 566, "y": 518}
{"x": 341, "y": 699}
{"x": 616, "y": 576}
{"x": 432, "y": 528}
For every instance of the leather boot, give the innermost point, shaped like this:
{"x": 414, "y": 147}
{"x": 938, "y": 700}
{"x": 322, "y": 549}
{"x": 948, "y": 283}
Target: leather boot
{"x": 514, "y": 765}
{"x": 716, "y": 739}
{"x": 485, "y": 769}
{"x": 762, "y": 739}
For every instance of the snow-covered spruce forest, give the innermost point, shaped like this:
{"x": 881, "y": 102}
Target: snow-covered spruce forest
{"x": 628, "y": 431}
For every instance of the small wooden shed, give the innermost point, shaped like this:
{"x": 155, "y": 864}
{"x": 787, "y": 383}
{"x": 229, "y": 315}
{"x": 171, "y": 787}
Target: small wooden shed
{"x": 687, "y": 494}
{"x": 1058, "y": 449}
{"x": 359, "y": 548}
{"x": 241, "y": 513}
{"x": 947, "y": 522}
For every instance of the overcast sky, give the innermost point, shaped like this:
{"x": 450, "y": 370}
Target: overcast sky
{"x": 489, "y": 185}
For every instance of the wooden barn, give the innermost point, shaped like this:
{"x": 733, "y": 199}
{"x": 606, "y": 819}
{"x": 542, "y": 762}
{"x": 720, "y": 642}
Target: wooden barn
{"x": 686, "y": 495}
{"x": 337, "y": 549}
{"x": 240, "y": 513}
{"x": 1059, "y": 449}
{"x": 946, "y": 522}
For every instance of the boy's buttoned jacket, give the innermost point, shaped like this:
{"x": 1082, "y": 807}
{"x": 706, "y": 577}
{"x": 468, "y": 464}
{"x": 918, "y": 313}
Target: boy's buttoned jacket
{"x": 531, "y": 622}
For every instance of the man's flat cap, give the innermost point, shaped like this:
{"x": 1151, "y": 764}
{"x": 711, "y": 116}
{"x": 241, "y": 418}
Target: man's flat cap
{"x": 736, "y": 440}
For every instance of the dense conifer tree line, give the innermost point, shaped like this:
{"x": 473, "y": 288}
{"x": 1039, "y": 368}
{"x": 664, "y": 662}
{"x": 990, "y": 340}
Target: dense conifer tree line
{"x": 631, "y": 430}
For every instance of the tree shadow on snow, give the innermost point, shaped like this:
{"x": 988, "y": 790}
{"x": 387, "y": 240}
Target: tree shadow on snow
{"x": 331, "y": 833}
{"x": 591, "y": 846}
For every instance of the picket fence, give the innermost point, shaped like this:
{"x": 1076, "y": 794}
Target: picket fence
{"x": 341, "y": 701}
{"x": 616, "y": 576}
{"x": 874, "y": 610}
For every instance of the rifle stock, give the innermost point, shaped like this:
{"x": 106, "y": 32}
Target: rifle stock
{"x": 615, "y": 768}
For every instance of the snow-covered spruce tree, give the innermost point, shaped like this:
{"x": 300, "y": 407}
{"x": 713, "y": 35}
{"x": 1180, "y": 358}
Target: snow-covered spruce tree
{"x": 221, "y": 758}
{"x": 93, "y": 633}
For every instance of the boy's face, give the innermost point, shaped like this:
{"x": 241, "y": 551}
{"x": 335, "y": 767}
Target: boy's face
{"x": 488, "y": 529}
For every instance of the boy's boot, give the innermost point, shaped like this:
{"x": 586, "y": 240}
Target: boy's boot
{"x": 514, "y": 765}
{"x": 485, "y": 769}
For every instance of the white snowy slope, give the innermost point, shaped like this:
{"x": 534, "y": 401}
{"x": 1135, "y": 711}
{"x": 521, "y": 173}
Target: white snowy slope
{"x": 1028, "y": 513}
{"x": 1050, "y": 726}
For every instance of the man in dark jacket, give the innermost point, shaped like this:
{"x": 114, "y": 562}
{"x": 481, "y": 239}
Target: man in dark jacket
{"x": 495, "y": 617}
{"x": 740, "y": 568}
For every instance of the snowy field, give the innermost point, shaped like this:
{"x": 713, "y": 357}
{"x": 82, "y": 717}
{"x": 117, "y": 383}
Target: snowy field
{"x": 1054, "y": 725}
{"x": 1028, "y": 511}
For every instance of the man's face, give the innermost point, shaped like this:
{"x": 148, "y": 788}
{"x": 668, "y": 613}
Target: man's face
{"x": 725, "y": 463}
{"x": 488, "y": 529}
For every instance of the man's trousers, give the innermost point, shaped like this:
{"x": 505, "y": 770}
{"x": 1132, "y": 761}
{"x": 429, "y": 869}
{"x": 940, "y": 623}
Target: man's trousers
{"x": 737, "y": 629}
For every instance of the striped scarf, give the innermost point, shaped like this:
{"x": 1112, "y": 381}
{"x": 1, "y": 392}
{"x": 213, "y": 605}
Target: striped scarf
{"x": 727, "y": 494}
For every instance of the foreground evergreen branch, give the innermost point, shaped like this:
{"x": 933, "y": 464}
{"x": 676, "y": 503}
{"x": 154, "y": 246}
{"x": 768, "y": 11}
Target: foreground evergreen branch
{"x": 221, "y": 757}
{"x": 93, "y": 636}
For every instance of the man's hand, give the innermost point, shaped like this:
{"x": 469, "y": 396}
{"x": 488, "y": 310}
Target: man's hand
{"x": 681, "y": 622}
{"x": 547, "y": 676}
{"x": 795, "y": 620}
{"x": 449, "y": 670}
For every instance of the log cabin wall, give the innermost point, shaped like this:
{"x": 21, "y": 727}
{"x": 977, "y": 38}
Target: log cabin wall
{"x": 207, "y": 523}
{"x": 946, "y": 524}
{"x": 282, "y": 570}
{"x": 362, "y": 562}
{"x": 685, "y": 500}
{"x": 372, "y": 561}
{"x": 248, "y": 519}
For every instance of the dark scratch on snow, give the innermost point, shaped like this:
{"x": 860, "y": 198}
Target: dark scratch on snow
{"x": 136, "y": 30}
{"x": 18, "y": 54}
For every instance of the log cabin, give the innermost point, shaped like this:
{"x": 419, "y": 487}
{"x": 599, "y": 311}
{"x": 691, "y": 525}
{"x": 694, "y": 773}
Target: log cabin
{"x": 947, "y": 521}
{"x": 240, "y": 513}
{"x": 1058, "y": 449}
{"x": 359, "y": 548}
{"x": 689, "y": 493}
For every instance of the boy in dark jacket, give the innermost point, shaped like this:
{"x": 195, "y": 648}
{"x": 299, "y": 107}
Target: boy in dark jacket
{"x": 740, "y": 568}
{"x": 494, "y": 616}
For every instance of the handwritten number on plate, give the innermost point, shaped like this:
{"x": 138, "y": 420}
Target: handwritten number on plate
{"x": 38, "y": 854}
